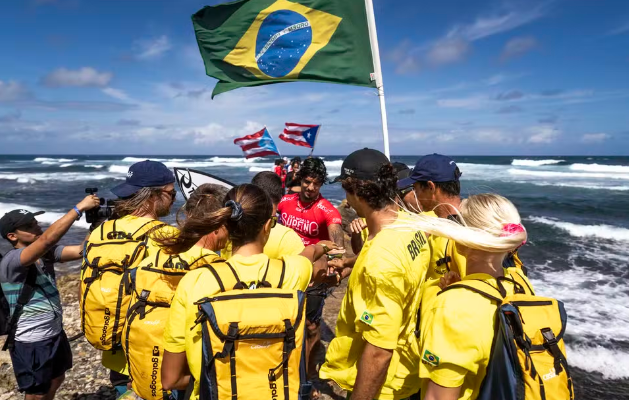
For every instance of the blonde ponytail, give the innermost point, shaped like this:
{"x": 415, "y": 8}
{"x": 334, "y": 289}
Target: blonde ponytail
{"x": 489, "y": 222}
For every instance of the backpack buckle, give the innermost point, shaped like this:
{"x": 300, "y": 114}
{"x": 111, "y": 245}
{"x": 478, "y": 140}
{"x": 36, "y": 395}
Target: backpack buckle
{"x": 549, "y": 337}
{"x": 144, "y": 295}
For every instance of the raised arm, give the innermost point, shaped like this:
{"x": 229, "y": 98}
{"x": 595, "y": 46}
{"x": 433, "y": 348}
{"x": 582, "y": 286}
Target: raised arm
{"x": 55, "y": 232}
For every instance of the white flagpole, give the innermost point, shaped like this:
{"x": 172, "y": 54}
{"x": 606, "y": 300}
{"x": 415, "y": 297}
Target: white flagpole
{"x": 375, "y": 51}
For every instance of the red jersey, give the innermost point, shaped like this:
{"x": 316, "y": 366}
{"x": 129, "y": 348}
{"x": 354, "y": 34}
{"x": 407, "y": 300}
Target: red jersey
{"x": 311, "y": 221}
{"x": 281, "y": 172}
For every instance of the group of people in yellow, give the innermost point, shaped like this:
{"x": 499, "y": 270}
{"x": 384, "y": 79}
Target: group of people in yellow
{"x": 401, "y": 332}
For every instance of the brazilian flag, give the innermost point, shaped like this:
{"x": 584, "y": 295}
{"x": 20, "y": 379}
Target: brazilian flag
{"x": 257, "y": 42}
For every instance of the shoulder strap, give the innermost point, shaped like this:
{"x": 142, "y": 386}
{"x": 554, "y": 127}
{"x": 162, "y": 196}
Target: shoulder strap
{"x": 196, "y": 260}
{"x": 517, "y": 277}
{"x": 25, "y": 296}
{"x": 147, "y": 232}
{"x": 476, "y": 286}
{"x": 274, "y": 274}
{"x": 226, "y": 279}
{"x": 446, "y": 258}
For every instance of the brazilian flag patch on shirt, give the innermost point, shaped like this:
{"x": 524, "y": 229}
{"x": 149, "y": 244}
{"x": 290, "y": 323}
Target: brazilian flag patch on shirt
{"x": 430, "y": 358}
{"x": 367, "y": 317}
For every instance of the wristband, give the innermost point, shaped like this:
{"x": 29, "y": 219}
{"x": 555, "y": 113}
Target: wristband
{"x": 78, "y": 213}
{"x": 326, "y": 249}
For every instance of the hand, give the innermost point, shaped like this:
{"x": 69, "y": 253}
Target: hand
{"x": 357, "y": 225}
{"x": 448, "y": 279}
{"x": 330, "y": 245}
{"x": 89, "y": 202}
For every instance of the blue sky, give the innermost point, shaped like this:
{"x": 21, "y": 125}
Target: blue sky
{"x": 461, "y": 77}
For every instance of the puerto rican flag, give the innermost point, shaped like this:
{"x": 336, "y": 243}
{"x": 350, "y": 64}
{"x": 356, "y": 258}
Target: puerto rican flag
{"x": 259, "y": 144}
{"x": 300, "y": 135}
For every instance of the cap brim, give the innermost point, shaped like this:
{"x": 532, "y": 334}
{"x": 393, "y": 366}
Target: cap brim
{"x": 125, "y": 190}
{"x": 406, "y": 182}
{"x": 339, "y": 178}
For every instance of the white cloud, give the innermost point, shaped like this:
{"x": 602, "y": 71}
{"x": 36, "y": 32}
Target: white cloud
{"x": 499, "y": 22}
{"x": 82, "y": 77}
{"x": 152, "y": 48}
{"x": 495, "y": 80}
{"x": 117, "y": 94}
{"x": 447, "y": 51}
{"x": 543, "y": 134}
{"x": 456, "y": 44}
{"x": 517, "y": 47}
{"x": 11, "y": 91}
{"x": 595, "y": 137}
{"x": 407, "y": 61}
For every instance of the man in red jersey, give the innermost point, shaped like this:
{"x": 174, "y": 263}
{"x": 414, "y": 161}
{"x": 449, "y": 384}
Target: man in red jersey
{"x": 308, "y": 213}
{"x": 314, "y": 219}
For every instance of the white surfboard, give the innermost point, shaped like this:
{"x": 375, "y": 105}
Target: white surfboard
{"x": 189, "y": 180}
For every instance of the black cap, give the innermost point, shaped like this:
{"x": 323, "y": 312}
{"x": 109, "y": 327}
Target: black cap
{"x": 434, "y": 168}
{"x": 144, "y": 174}
{"x": 16, "y": 218}
{"x": 402, "y": 170}
{"x": 362, "y": 164}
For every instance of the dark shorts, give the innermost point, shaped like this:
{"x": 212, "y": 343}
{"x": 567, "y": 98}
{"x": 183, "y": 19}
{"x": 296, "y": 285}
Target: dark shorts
{"x": 315, "y": 300}
{"x": 36, "y": 364}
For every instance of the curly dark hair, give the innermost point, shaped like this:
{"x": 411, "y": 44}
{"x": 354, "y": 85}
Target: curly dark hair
{"x": 378, "y": 193}
{"x": 313, "y": 168}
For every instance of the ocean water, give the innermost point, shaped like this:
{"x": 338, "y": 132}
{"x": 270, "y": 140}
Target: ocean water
{"x": 576, "y": 210}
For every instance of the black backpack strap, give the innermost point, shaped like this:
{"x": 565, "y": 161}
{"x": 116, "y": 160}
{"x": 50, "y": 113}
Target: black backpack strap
{"x": 218, "y": 265}
{"x": 146, "y": 233}
{"x": 25, "y": 296}
{"x": 279, "y": 279}
{"x": 446, "y": 258}
{"x": 475, "y": 290}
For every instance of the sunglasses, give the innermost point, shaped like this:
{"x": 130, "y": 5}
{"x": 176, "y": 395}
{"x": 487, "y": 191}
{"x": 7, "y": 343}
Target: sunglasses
{"x": 405, "y": 191}
{"x": 172, "y": 193}
{"x": 274, "y": 219}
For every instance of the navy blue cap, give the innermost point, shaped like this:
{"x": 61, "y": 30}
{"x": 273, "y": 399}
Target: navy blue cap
{"x": 144, "y": 174}
{"x": 15, "y": 219}
{"x": 434, "y": 168}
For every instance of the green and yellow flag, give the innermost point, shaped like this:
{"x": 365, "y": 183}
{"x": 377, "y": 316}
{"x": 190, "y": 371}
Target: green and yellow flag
{"x": 257, "y": 42}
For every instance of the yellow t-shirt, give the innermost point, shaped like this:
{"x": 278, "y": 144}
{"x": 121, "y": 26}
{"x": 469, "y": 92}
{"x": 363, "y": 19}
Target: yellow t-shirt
{"x": 458, "y": 333}
{"x": 380, "y": 307}
{"x": 282, "y": 241}
{"x": 117, "y": 361}
{"x": 201, "y": 283}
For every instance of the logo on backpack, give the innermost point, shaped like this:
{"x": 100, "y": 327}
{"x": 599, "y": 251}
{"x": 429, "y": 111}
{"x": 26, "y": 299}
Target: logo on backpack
{"x": 550, "y": 375}
{"x": 273, "y": 387}
{"x": 155, "y": 361}
{"x": 106, "y": 318}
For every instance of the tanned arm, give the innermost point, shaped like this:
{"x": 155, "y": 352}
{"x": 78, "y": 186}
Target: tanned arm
{"x": 437, "y": 392}
{"x": 175, "y": 372}
{"x": 372, "y": 372}
{"x": 55, "y": 232}
{"x": 336, "y": 234}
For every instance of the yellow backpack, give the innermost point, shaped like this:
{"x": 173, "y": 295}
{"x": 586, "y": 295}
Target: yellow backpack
{"x": 528, "y": 356}
{"x": 109, "y": 258}
{"x": 253, "y": 334}
{"x": 156, "y": 280}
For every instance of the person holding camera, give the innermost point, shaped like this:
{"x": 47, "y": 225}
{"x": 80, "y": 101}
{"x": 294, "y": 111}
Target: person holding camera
{"x": 147, "y": 194}
{"x": 38, "y": 346}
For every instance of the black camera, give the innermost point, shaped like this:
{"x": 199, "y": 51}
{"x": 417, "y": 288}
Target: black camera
{"x": 102, "y": 213}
